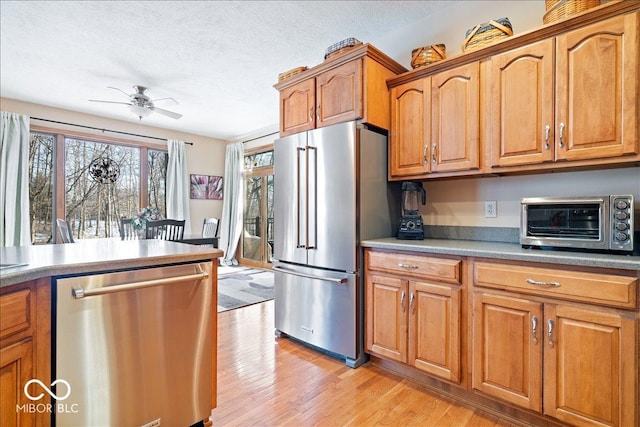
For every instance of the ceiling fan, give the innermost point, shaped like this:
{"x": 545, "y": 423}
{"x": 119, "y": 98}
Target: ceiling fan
{"x": 140, "y": 105}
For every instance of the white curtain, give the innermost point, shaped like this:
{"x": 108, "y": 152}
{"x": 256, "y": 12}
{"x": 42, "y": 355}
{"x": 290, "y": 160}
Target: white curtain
{"x": 178, "y": 184}
{"x": 231, "y": 221}
{"x": 15, "y": 227}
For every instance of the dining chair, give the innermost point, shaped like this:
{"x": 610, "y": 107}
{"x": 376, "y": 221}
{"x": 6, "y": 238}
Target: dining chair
{"x": 165, "y": 229}
{"x": 127, "y": 231}
{"x": 210, "y": 227}
{"x": 65, "y": 231}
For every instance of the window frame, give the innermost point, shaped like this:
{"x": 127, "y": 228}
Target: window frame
{"x": 58, "y": 168}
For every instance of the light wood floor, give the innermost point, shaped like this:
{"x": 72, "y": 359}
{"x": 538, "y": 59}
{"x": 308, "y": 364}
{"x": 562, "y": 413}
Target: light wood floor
{"x": 269, "y": 381}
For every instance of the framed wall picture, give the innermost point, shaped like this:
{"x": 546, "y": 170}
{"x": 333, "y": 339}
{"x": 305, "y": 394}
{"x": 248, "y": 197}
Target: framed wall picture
{"x": 206, "y": 187}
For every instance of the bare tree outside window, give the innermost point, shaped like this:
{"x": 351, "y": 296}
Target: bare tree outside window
{"x": 157, "y": 165}
{"x": 94, "y": 209}
{"x": 41, "y": 161}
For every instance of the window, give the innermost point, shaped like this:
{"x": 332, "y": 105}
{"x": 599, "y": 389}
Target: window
{"x": 92, "y": 208}
{"x": 41, "y": 174}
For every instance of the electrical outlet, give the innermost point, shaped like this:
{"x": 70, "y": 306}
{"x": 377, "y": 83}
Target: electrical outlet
{"x": 490, "y": 209}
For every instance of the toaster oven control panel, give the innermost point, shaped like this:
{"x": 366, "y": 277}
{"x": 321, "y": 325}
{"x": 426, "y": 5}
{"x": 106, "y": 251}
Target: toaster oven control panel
{"x": 622, "y": 222}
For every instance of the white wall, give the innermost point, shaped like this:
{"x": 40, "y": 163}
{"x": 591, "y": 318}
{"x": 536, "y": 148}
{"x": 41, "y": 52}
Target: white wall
{"x": 461, "y": 202}
{"x": 205, "y": 156}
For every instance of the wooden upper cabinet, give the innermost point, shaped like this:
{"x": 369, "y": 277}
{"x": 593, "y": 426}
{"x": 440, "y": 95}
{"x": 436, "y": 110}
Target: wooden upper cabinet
{"x": 455, "y": 119}
{"x": 521, "y": 105}
{"x": 597, "y": 90}
{"x": 410, "y": 130}
{"x": 349, "y": 86}
{"x": 297, "y": 108}
{"x": 339, "y": 94}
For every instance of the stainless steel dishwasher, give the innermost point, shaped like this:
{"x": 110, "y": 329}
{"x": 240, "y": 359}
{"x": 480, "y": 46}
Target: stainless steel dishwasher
{"x": 134, "y": 347}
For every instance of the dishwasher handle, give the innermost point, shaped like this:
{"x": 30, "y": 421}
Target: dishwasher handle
{"x": 311, "y": 276}
{"x": 79, "y": 293}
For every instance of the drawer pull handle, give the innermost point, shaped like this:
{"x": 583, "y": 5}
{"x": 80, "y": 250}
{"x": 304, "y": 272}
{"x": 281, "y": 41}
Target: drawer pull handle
{"x": 411, "y": 302}
{"x": 402, "y": 296}
{"x": 407, "y": 266}
{"x": 424, "y": 155}
{"x": 543, "y": 284}
{"x": 534, "y": 329}
{"x": 561, "y": 135}
{"x": 550, "y": 333}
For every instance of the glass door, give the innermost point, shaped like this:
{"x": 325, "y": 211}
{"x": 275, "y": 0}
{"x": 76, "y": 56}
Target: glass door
{"x": 256, "y": 248}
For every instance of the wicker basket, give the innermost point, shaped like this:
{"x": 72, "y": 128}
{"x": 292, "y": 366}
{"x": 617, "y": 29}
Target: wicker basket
{"x": 427, "y": 54}
{"x": 341, "y": 47}
{"x": 560, "y": 9}
{"x": 485, "y": 34}
{"x": 288, "y": 74}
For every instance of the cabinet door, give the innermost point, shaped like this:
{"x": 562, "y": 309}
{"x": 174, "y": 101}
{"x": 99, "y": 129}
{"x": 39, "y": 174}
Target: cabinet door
{"x": 386, "y": 305}
{"x": 507, "y": 349}
{"x": 590, "y": 360}
{"x": 521, "y": 105}
{"x": 297, "y": 105}
{"x": 16, "y": 368}
{"x": 455, "y": 119}
{"x": 597, "y": 90}
{"x": 409, "y": 136}
{"x": 339, "y": 94}
{"x": 434, "y": 329}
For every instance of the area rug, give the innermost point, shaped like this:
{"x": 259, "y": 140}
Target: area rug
{"x": 242, "y": 286}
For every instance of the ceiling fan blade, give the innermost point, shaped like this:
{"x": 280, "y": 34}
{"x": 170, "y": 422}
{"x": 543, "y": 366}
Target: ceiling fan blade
{"x": 162, "y": 99}
{"x": 166, "y": 113}
{"x": 110, "y": 102}
{"x": 116, "y": 88}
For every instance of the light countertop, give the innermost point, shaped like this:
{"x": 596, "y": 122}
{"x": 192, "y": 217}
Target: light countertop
{"x": 507, "y": 251}
{"x": 93, "y": 255}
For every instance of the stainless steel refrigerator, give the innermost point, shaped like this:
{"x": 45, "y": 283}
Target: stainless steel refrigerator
{"x": 330, "y": 193}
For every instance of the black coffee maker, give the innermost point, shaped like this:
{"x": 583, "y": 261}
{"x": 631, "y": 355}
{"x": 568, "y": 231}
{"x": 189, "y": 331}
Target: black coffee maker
{"x": 411, "y": 227}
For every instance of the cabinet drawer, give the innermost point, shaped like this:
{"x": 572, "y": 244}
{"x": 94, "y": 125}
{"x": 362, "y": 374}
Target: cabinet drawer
{"x": 605, "y": 289}
{"x": 15, "y": 312}
{"x": 447, "y": 270}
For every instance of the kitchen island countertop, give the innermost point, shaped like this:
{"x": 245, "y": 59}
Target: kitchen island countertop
{"x": 509, "y": 251}
{"x": 93, "y": 255}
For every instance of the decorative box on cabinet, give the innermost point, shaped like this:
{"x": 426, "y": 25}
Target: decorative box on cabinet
{"x": 350, "y": 86}
{"x": 413, "y": 311}
{"x": 574, "y": 362}
{"x": 587, "y": 77}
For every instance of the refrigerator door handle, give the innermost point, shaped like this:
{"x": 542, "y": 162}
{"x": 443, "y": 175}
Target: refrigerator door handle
{"x": 299, "y": 199}
{"x": 311, "y": 276}
{"x": 312, "y": 197}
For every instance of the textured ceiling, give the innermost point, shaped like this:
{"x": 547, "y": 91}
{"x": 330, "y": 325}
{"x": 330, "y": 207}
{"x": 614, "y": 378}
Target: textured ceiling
{"x": 218, "y": 59}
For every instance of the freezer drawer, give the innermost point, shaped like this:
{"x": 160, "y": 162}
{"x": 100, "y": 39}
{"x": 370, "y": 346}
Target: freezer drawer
{"x": 318, "y": 307}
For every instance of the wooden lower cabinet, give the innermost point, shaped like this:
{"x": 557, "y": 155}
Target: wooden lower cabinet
{"x": 574, "y": 363}
{"x": 415, "y": 321}
{"x": 25, "y": 351}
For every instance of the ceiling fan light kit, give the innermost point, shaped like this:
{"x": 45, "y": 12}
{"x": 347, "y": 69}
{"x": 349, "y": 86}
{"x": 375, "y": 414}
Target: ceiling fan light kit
{"x": 140, "y": 105}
